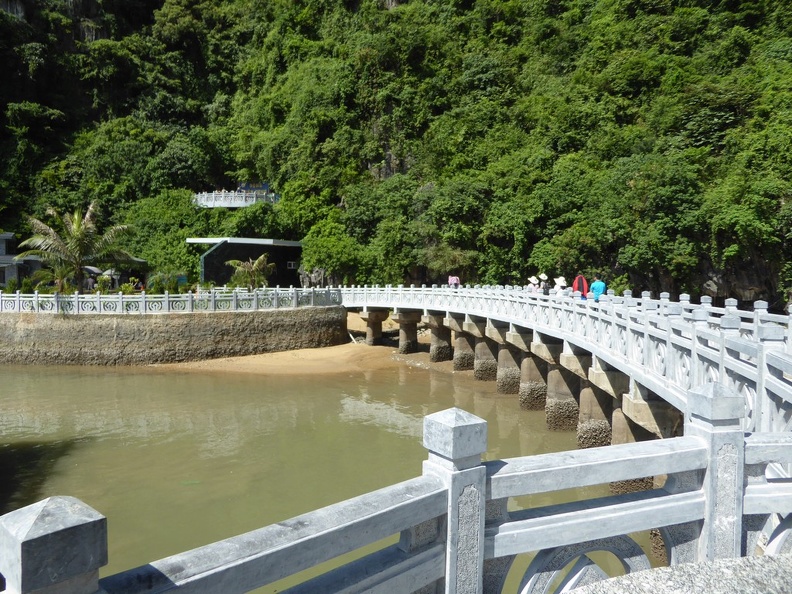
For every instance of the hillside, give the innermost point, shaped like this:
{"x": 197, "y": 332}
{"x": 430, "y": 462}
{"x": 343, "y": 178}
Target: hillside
{"x": 648, "y": 140}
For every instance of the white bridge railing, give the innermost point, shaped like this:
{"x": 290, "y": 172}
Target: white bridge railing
{"x": 666, "y": 347}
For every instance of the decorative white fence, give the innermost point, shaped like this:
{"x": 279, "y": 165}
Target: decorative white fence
{"x": 143, "y": 303}
{"x": 233, "y": 198}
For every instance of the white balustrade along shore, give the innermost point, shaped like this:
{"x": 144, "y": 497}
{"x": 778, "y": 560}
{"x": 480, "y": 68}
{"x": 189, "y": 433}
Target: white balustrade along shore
{"x": 457, "y": 528}
{"x": 233, "y": 198}
{"x": 143, "y": 303}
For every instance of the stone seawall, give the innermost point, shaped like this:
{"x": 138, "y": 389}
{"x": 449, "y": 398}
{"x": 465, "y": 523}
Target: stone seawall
{"x": 46, "y": 339}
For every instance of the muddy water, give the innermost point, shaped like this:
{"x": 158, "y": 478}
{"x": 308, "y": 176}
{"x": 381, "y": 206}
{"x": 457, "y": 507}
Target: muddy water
{"x": 179, "y": 459}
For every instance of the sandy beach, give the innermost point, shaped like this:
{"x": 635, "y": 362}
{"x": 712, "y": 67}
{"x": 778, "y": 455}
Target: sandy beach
{"x": 345, "y": 358}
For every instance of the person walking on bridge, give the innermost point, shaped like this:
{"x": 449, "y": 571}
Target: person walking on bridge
{"x": 597, "y": 287}
{"x": 580, "y": 285}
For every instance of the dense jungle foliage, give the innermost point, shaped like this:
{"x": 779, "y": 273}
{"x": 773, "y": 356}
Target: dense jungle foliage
{"x": 648, "y": 140}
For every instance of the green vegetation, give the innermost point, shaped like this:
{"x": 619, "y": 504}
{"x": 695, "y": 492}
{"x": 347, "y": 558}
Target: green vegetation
{"x": 648, "y": 140}
{"x": 65, "y": 253}
{"x": 251, "y": 274}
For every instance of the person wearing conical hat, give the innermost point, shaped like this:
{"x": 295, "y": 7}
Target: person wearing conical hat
{"x": 560, "y": 285}
{"x": 544, "y": 286}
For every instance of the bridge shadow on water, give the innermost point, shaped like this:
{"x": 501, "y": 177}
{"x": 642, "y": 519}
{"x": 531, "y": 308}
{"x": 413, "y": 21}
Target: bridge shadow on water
{"x": 24, "y": 469}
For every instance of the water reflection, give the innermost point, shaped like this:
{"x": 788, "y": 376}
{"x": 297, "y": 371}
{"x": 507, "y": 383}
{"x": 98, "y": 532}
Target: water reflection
{"x": 176, "y": 460}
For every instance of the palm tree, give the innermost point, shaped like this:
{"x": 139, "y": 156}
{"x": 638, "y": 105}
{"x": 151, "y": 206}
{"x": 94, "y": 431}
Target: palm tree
{"x": 79, "y": 244}
{"x": 250, "y": 273}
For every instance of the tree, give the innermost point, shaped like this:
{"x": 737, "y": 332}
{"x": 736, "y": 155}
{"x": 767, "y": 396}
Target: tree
{"x": 79, "y": 244}
{"x": 251, "y": 273}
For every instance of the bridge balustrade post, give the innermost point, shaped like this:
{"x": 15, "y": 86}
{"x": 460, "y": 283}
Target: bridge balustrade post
{"x": 54, "y": 546}
{"x": 729, "y": 327}
{"x": 700, "y": 322}
{"x": 714, "y": 413}
{"x": 295, "y": 297}
{"x": 76, "y": 302}
{"x": 706, "y": 302}
{"x": 760, "y": 311}
{"x": 730, "y": 305}
{"x": 771, "y": 338}
{"x": 456, "y": 440}
{"x": 673, "y": 315}
{"x": 190, "y": 302}
{"x": 167, "y": 305}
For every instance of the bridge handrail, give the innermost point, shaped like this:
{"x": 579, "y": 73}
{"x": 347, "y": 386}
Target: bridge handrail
{"x": 667, "y": 347}
{"x": 593, "y": 466}
{"x": 271, "y": 553}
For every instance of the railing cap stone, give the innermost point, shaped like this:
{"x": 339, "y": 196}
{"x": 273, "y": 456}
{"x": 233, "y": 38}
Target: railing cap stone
{"x": 455, "y": 434}
{"x": 58, "y": 527}
{"x": 715, "y": 402}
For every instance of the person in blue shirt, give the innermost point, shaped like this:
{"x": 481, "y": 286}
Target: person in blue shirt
{"x": 597, "y": 287}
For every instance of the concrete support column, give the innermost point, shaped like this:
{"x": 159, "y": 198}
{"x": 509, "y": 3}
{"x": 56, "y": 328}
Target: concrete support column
{"x": 55, "y": 545}
{"x": 623, "y": 430}
{"x": 508, "y": 374}
{"x": 596, "y": 408}
{"x": 455, "y": 440}
{"x": 655, "y": 415}
{"x": 715, "y": 414}
{"x": 440, "y": 348}
{"x": 464, "y": 352}
{"x": 533, "y": 383}
{"x": 485, "y": 365}
{"x": 408, "y": 330}
{"x": 374, "y": 319}
{"x": 561, "y": 408}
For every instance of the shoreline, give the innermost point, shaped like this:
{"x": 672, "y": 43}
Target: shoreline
{"x": 351, "y": 357}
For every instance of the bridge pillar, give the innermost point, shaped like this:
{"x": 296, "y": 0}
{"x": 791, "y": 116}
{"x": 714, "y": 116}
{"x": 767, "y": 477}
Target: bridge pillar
{"x": 440, "y": 348}
{"x": 408, "y": 330}
{"x": 594, "y": 425}
{"x": 623, "y": 430}
{"x": 509, "y": 369}
{"x": 485, "y": 360}
{"x": 485, "y": 365}
{"x": 464, "y": 343}
{"x": 561, "y": 407}
{"x": 533, "y": 383}
{"x": 597, "y": 395}
{"x": 533, "y": 372}
{"x": 507, "y": 374}
{"x": 374, "y": 319}
{"x": 651, "y": 412}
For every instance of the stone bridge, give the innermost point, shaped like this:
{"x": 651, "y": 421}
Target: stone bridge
{"x": 717, "y": 382}
{"x": 628, "y": 360}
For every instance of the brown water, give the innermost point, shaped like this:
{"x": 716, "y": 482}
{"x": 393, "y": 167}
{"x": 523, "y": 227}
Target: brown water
{"x": 177, "y": 459}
